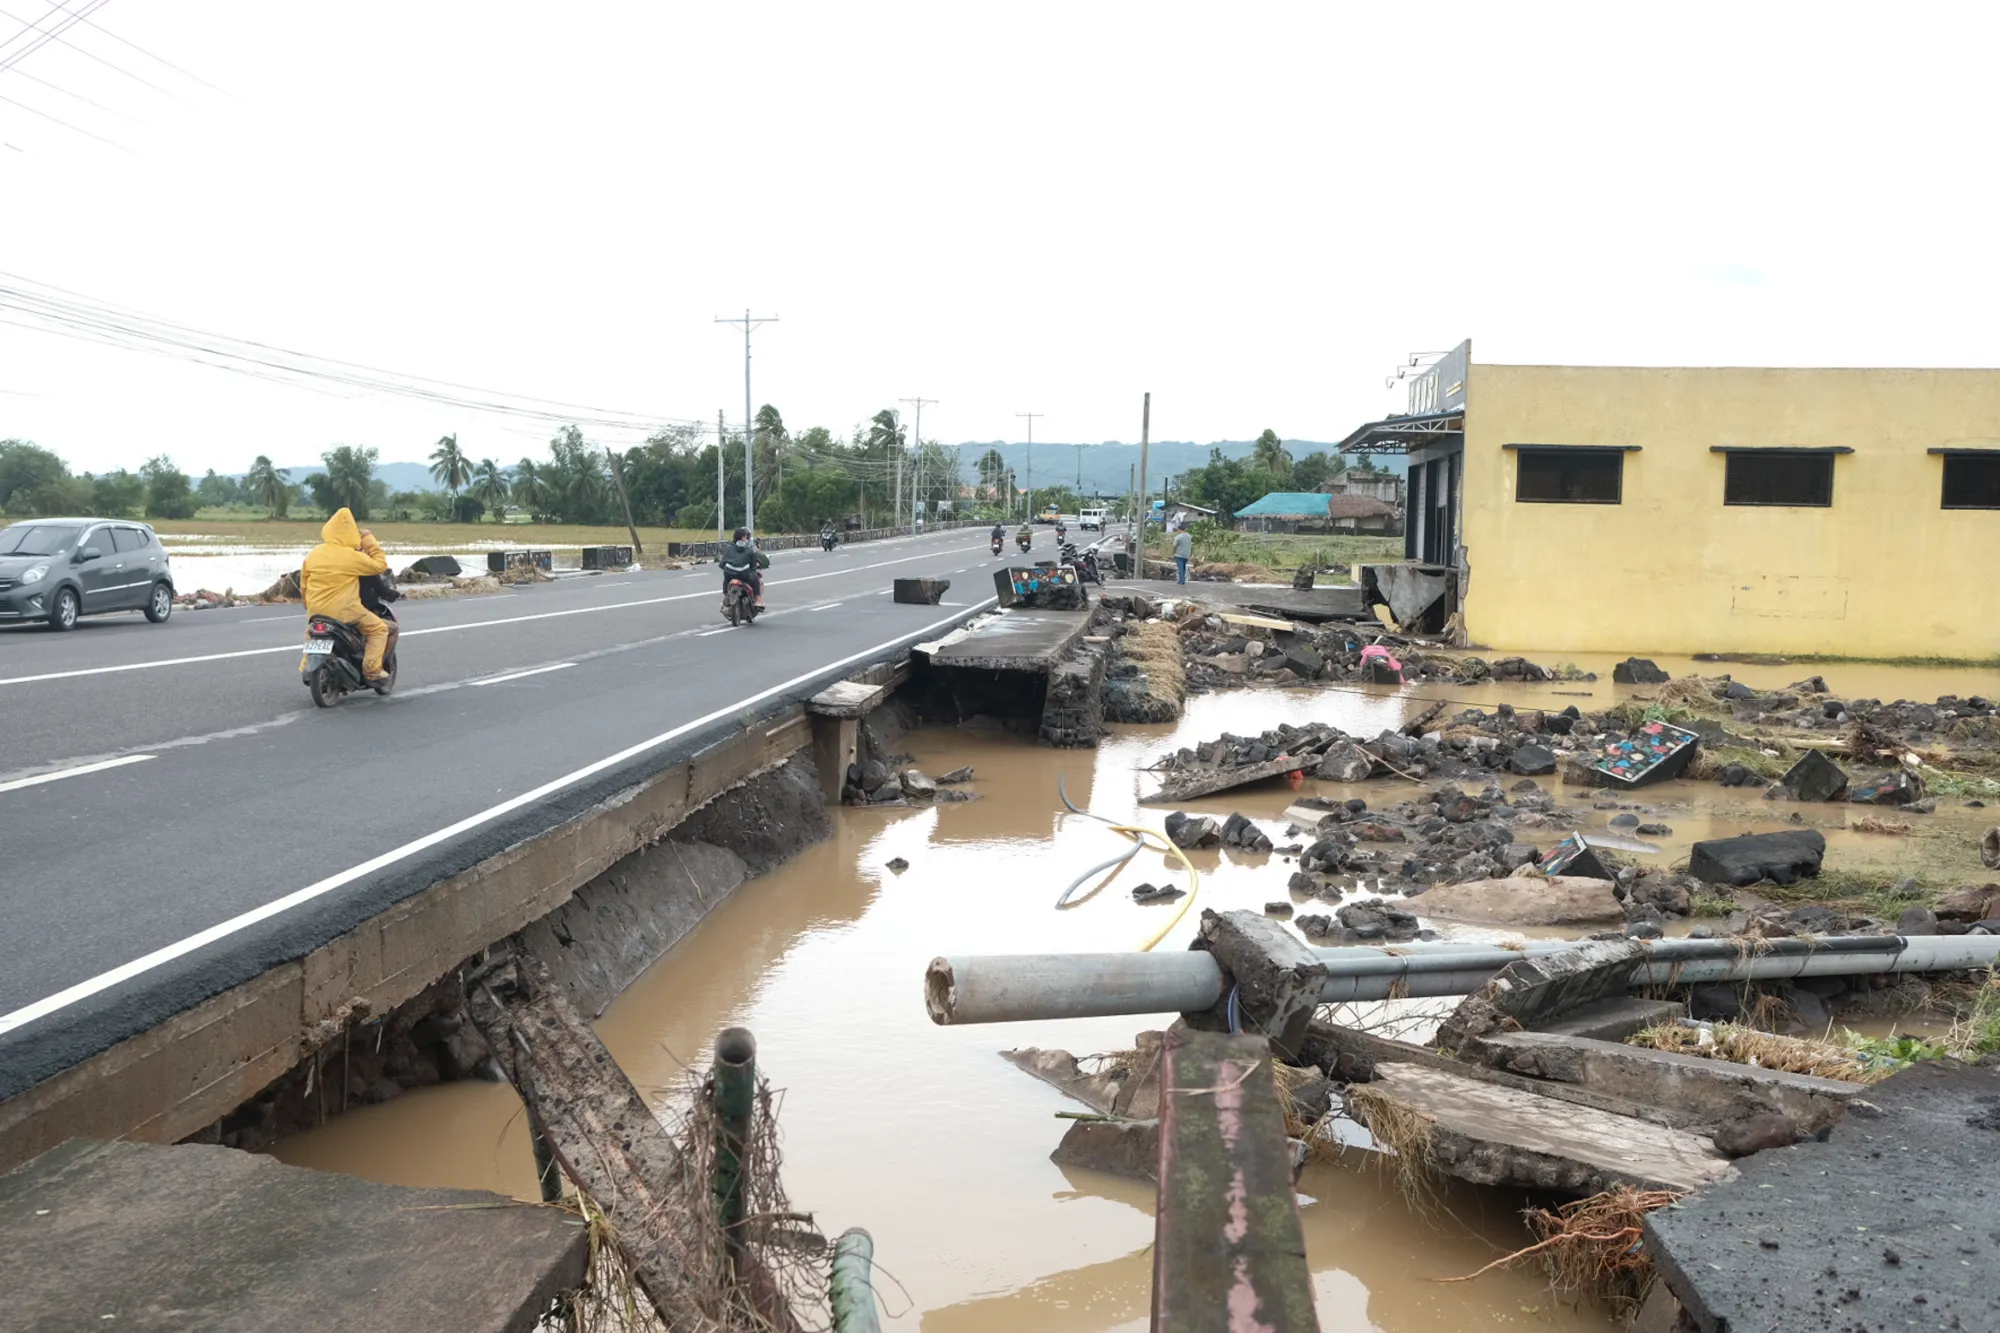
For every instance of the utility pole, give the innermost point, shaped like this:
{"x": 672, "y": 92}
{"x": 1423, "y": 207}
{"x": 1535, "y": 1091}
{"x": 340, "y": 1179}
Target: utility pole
{"x": 917, "y": 439}
{"x": 1145, "y": 439}
{"x": 749, "y": 435}
{"x": 1079, "y": 472}
{"x": 624, "y": 500}
{"x": 1028, "y": 503}
{"x": 721, "y": 443}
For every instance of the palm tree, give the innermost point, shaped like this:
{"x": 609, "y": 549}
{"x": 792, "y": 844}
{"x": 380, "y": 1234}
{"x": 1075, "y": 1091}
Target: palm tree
{"x": 1269, "y": 454}
{"x": 272, "y": 486}
{"x": 451, "y": 468}
{"x": 489, "y": 487}
{"x": 531, "y": 488}
{"x": 349, "y": 471}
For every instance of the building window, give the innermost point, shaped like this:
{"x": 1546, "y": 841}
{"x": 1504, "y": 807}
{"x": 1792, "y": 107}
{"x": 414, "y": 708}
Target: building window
{"x": 1776, "y": 478}
{"x": 1569, "y": 476}
{"x": 1972, "y": 481}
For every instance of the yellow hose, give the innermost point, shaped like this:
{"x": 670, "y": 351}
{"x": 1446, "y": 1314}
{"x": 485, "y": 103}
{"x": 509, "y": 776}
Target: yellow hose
{"x": 1153, "y": 840}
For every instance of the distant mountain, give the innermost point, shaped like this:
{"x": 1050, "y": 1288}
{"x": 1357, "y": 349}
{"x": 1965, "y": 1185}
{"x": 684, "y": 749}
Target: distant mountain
{"x": 397, "y": 476}
{"x": 1106, "y": 468}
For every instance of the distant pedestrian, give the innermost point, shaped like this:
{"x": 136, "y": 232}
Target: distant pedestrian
{"x": 1183, "y": 550}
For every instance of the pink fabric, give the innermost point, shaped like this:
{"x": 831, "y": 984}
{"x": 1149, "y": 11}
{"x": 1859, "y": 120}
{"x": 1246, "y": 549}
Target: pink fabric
{"x": 1375, "y": 650}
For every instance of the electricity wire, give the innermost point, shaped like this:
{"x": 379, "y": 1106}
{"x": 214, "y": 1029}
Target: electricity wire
{"x": 1142, "y": 839}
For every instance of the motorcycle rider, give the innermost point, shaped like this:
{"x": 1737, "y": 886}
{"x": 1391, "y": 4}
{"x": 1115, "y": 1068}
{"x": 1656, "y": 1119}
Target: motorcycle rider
{"x": 826, "y": 534}
{"x": 742, "y": 560}
{"x": 1026, "y": 536}
{"x": 1062, "y": 531}
{"x": 999, "y": 533}
{"x": 330, "y": 581}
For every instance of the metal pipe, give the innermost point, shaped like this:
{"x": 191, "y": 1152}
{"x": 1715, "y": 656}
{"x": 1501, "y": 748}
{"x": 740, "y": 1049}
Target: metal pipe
{"x": 852, "y": 1286}
{"x": 1016, "y": 988}
{"x": 733, "y": 1085}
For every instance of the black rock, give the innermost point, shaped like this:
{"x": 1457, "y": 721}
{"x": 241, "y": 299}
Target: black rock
{"x": 1736, "y": 689}
{"x": 1638, "y": 671}
{"x": 1783, "y": 857}
{"x": 1355, "y": 805}
{"x": 1148, "y": 893}
{"x": 1714, "y": 1001}
{"x": 1654, "y": 831}
{"x": 1532, "y": 760}
{"x": 1185, "y": 830}
{"x": 1917, "y": 921}
{"x": 1316, "y": 927}
{"x": 1625, "y": 821}
{"x": 1303, "y": 662}
{"x": 957, "y": 775}
{"x": 1643, "y": 930}
{"x": 1735, "y": 775}
{"x": 898, "y": 865}
{"x": 1238, "y": 831}
{"x": 1282, "y": 911}
{"x": 875, "y": 776}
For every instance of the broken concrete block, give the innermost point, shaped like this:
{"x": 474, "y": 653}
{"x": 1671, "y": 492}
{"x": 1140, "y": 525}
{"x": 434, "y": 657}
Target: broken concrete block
{"x": 1185, "y": 830}
{"x": 1525, "y": 901}
{"x": 921, "y": 592}
{"x": 915, "y": 784}
{"x": 1534, "y": 991}
{"x": 1279, "y": 911}
{"x": 1639, "y": 671}
{"x": 957, "y": 775}
{"x": 1116, "y": 1147}
{"x": 1238, "y": 831}
{"x": 1783, "y": 857}
{"x": 1303, "y": 662}
{"x": 1310, "y": 817}
{"x": 1345, "y": 762}
{"x": 1276, "y": 979}
{"x": 1816, "y": 778}
{"x": 1532, "y": 760}
{"x": 1899, "y": 787}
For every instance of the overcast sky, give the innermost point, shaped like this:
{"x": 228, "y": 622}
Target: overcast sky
{"x": 1254, "y": 211}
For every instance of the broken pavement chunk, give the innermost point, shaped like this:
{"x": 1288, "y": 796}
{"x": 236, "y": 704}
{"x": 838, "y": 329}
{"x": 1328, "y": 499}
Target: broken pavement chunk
{"x": 1783, "y": 857}
{"x": 1184, "y": 830}
{"x": 1532, "y": 760}
{"x": 1525, "y": 900}
{"x": 1815, "y": 778}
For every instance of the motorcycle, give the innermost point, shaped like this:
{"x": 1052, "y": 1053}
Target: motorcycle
{"x": 1023, "y": 540}
{"x": 826, "y": 539}
{"x": 331, "y": 665}
{"x": 739, "y": 600}
{"x": 996, "y": 546}
{"x": 1085, "y": 563}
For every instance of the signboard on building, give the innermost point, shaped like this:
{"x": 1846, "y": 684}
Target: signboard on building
{"x": 1441, "y": 388}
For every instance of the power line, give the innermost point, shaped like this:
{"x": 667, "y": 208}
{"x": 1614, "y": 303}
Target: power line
{"x": 161, "y": 59}
{"x": 78, "y": 16}
{"x": 37, "y": 111}
{"x": 43, "y": 36}
{"x": 36, "y": 78}
{"x": 73, "y": 315}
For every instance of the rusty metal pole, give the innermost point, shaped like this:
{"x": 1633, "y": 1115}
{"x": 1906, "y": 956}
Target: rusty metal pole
{"x": 733, "y": 1086}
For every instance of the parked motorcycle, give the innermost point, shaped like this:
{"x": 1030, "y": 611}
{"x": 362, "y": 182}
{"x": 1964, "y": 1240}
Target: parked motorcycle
{"x": 331, "y": 665}
{"x": 1085, "y": 563}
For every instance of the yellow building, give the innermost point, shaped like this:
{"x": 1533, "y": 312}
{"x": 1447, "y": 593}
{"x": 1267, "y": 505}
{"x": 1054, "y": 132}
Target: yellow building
{"x": 1708, "y": 510}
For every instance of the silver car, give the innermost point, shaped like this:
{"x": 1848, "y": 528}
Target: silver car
{"x": 57, "y": 570}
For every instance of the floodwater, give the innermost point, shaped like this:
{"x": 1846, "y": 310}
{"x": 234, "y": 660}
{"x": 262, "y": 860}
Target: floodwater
{"x": 221, "y": 565}
{"x": 926, "y": 1137}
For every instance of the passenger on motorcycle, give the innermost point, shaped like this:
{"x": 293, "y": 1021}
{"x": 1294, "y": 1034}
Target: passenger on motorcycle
{"x": 330, "y": 581}
{"x": 742, "y": 560}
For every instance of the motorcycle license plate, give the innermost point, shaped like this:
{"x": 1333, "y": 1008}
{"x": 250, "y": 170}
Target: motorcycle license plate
{"x": 318, "y": 647}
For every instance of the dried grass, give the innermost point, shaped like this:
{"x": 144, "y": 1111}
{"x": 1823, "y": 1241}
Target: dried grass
{"x": 1156, "y": 648}
{"x": 1405, "y": 1134}
{"x": 1747, "y": 1046}
{"x": 1592, "y": 1245}
{"x": 1870, "y": 824}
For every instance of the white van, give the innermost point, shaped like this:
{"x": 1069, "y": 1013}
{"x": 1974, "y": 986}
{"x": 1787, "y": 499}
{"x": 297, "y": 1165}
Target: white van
{"x": 1091, "y": 520}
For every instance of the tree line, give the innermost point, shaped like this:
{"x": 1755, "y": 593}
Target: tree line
{"x": 669, "y": 481}
{"x": 1227, "y": 485}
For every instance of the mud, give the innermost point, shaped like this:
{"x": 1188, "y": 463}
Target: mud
{"x": 924, "y": 1135}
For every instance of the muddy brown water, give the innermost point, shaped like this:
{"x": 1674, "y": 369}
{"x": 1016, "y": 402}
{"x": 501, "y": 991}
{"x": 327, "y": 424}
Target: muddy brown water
{"x": 923, "y": 1135}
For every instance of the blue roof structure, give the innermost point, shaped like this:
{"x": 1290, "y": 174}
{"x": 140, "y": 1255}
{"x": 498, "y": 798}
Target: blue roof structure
{"x": 1287, "y": 504}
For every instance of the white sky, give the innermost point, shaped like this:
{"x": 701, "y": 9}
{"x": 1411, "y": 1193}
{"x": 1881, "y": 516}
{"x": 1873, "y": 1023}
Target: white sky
{"x": 1254, "y": 211}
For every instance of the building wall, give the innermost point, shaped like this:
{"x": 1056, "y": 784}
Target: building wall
{"x": 1884, "y": 572}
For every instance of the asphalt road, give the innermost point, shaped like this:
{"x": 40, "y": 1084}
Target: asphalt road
{"x": 176, "y": 816}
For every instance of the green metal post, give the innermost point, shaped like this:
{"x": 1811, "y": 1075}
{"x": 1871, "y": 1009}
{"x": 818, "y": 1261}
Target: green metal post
{"x": 853, "y": 1287}
{"x": 733, "y": 1078}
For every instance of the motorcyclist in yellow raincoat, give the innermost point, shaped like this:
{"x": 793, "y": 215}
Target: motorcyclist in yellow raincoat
{"x": 331, "y": 578}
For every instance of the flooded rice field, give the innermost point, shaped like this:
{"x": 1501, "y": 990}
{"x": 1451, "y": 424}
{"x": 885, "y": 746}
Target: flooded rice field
{"x": 217, "y": 563}
{"x": 926, "y": 1137}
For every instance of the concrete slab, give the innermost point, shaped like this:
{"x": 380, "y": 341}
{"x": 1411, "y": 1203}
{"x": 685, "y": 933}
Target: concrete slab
{"x": 1016, "y": 640}
{"x": 847, "y": 698}
{"x": 1888, "y": 1224}
{"x": 1614, "y": 1018}
{"x": 138, "y": 1237}
{"x": 1338, "y": 602}
{"x": 1709, "y": 1090}
{"x": 1491, "y": 1135}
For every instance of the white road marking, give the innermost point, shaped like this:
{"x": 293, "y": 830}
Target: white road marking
{"x": 616, "y": 583}
{"x": 435, "y": 629}
{"x": 76, "y": 772}
{"x": 826, "y": 606}
{"x": 707, "y": 633}
{"x": 516, "y": 675}
{"x": 222, "y": 930}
